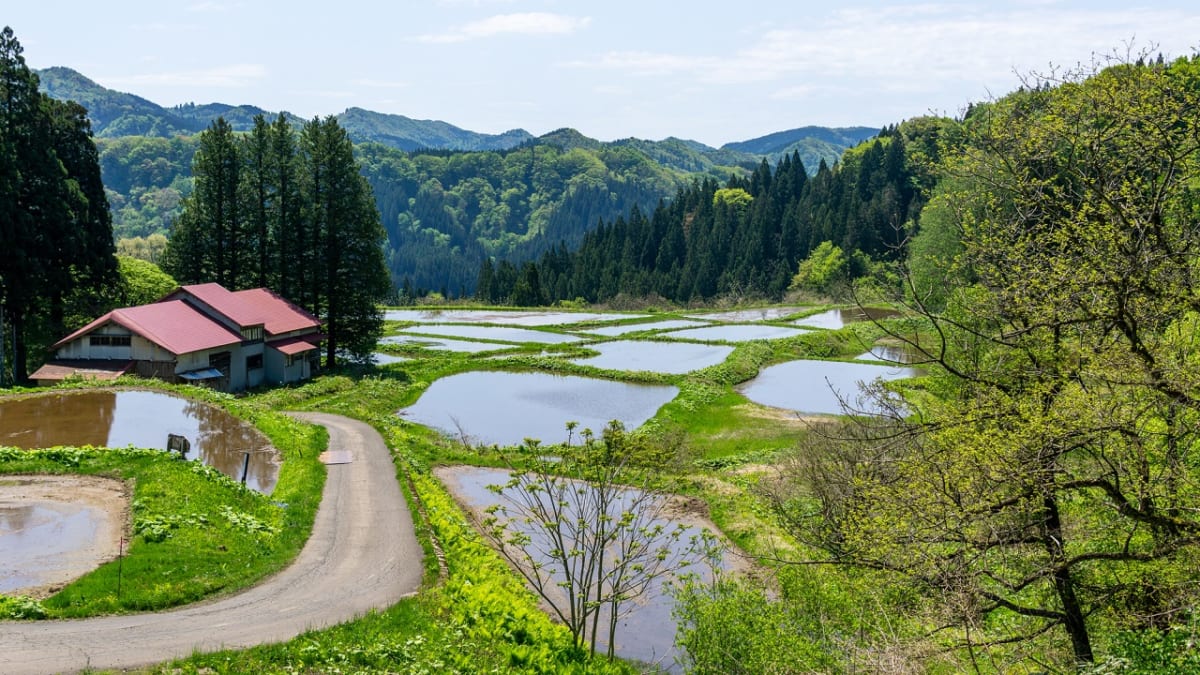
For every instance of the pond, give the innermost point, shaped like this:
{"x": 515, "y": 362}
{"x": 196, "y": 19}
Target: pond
{"x": 834, "y": 319}
{"x": 755, "y": 314}
{"x": 517, "y": 318}
{"x": 736, "y": 333}
{"x": 611, "y": 331}
{"x": 817, "y": 387}
{"x": 501, "y": 408}
{"x": 672, "y": 358}
{"x": 647, "y": 633}
{"x": 501, "y": 333}
{"x": 141, "y": 419}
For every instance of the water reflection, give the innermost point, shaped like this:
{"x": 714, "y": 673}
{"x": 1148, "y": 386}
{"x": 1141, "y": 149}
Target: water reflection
{"x": 505, "y": 408}
{"x": 501, "y": 333}
{"x": 36, "y": 539}
{"x": 891, "y": 354}
{"x": 516, "y": 318}
{"x": 672, "y": 358}
{"x": 755, "y": 314}
{"x": 142, "y": 419}
{"x": 647, "y": 633}
{"x": 736, "y": 333}
{"x": 443, "y": 344}
{"x": 611, "y": 331}
{"x": 834, "y": 319}
{"x": 818, "y": 387}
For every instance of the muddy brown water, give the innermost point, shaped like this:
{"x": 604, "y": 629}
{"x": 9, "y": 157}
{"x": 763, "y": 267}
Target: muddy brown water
{"x": 142, "y": 419}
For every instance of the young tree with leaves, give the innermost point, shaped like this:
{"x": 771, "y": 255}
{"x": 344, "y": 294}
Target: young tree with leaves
{"x": 588, "y": 542}
{"x": 1049, "y": 488}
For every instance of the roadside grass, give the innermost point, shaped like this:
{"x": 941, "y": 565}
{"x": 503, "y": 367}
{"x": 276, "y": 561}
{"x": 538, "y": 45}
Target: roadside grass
{"x": 194, "y": 532}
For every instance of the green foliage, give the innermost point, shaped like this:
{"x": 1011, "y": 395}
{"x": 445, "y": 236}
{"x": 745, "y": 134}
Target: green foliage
{"x": 21, "y": 607}
{"x": 825, "y": 267}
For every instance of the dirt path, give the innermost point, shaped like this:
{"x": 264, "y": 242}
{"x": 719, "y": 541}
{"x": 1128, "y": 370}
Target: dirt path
{"x": 363, "y": 554}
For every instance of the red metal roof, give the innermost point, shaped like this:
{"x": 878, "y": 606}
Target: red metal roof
{"x": 296, "y": 345}
{"x": 252, "y": 307}
{"x": 172, "y": 324}
{"x": 276, "y": 314}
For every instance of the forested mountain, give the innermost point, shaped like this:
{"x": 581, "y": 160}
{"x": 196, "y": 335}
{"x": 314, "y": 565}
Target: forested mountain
{"x": 743, "y": 236}
{"x": 813, "y": 144}
{"x": 448, "y": 196}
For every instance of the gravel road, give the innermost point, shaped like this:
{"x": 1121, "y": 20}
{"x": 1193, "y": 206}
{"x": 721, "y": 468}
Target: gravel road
{"x": 363, "y": 554}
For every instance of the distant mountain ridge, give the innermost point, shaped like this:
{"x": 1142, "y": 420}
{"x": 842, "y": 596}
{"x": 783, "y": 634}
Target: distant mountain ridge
{"x": 117, "y": 114}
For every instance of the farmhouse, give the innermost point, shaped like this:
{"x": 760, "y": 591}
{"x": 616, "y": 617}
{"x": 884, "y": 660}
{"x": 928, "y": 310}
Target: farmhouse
{"x": 204, "y": 333}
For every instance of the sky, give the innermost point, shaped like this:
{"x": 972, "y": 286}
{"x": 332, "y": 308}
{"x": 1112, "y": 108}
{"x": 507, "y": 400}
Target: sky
{"x": 709, "y": 71}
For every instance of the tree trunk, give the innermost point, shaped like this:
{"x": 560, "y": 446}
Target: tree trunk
{"x": 1073, "y": 617}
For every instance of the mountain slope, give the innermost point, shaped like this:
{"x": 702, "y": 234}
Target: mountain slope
{"x": 812, "y": 143}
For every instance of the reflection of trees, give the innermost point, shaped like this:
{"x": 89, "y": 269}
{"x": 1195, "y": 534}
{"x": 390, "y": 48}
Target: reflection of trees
{"x": 222, "y": 439}
{"x": 16, "y": 518}
{"x": 63, "y": 419}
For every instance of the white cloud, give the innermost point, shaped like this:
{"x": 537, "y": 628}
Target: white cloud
{"x": 527, "y": 23}
{"x": 233, "y": 76}
{"x": 915, "y": 47}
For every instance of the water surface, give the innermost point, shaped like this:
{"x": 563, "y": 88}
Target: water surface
{"x": 611, "y": 331}
{"x": 755, "y": 314}
{"x": 891, "y": 354}
{"x": 36, "y": 540}
{"x": 499, "y": 333}
{"x": 516, "y": 318}
{"x": 505, "y": 408}
{"x": 444, "y": 344}
{"x": 736, "y": 333}
{"x": 141, "y": 419}
{"x": 385, "y": 359}
{"x": 834, "y": 319}
{"x": 672, "y": 358}
{"x": 818, "y": 387}
{"x": 647, "y": 633}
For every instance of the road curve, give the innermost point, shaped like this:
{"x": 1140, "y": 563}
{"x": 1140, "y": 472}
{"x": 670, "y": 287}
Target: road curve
{"x": 363, "y": 554}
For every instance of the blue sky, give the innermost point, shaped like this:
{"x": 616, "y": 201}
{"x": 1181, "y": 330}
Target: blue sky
{"x": 710, "y": 71}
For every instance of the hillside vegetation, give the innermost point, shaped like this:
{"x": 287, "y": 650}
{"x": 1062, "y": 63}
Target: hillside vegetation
{"x": 448, "y": 196}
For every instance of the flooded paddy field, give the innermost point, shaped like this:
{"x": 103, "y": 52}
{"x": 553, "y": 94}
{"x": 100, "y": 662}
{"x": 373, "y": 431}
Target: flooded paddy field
{"x": 504, "y": 408}
{"x": 54, "y": 529}
{"x": 647, "y": 632}
{"x": 143, "y": 419}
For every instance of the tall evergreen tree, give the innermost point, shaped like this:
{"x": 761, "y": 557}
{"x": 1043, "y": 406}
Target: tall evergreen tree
{"x": 350, "y": 275}
{"x": 206, "y": 243}
{"x": 54, "y": 217}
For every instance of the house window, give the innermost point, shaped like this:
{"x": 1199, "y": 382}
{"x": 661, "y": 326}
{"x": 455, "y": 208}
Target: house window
{"x": 252, "y": 334}
{"x": 108, "y": 340}
{"x": 220, "y": 361}
{"x": 254, "y": 362}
